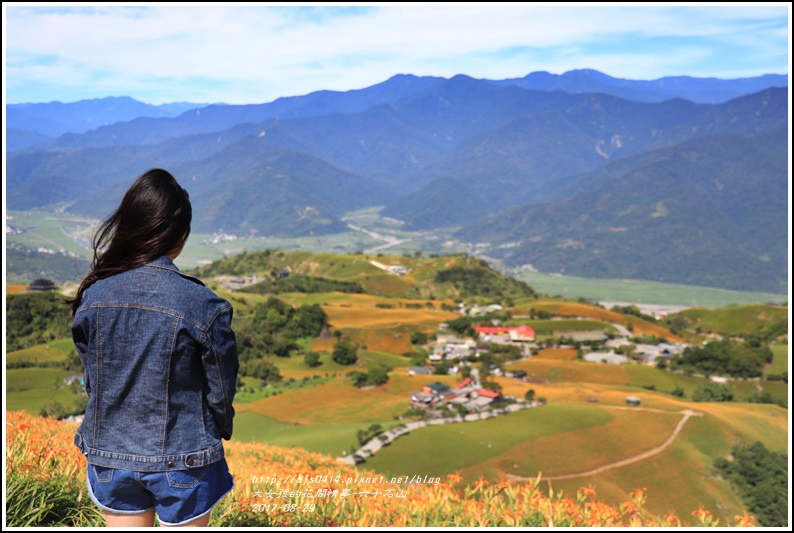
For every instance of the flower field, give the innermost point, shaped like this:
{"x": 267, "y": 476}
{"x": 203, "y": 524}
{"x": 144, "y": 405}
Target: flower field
{"x": 292, "y": 487}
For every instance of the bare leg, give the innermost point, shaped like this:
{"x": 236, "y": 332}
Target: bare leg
{"x": 130, "y": 520}
{"x": 201, "y": 521}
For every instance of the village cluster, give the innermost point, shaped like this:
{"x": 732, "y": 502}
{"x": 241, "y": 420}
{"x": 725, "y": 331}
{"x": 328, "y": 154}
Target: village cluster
{"x": 456, "y": 352}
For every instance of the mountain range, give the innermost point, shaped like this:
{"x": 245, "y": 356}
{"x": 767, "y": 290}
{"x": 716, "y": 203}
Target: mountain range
{"x": 679, "y": 179}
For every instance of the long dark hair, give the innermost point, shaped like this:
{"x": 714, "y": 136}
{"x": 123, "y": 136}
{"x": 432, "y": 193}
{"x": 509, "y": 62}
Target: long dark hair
{"x": 151, "y": 221}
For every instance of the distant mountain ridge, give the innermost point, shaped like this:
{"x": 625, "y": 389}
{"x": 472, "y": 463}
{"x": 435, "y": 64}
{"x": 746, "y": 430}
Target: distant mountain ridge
{"x": 699, "y": 90}
{"x": 56, "y": 118}
{"x": 150, "y": 128}
{"x": 450, "y": 152}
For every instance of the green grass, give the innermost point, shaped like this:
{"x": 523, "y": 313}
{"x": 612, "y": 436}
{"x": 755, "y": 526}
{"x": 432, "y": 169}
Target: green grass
{"x": 51, "y": 352}
{"x": 331, "y": 439}
{"x": 30, "y": 389}
{"x": 441, "y": 450}
{"x": 372, "y": 359}
{"x": 780, "y": 359}
{"x": 664, "y": 381}
{"x": 637, "y": 291}
{"x": 250, "y": 389}
{"x": 732, "y": 320}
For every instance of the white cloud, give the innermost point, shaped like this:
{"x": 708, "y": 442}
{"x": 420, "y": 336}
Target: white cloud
{"x": 280, "y": 51}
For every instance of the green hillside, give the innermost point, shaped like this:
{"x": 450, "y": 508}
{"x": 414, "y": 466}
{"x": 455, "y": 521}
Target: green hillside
{"x": 732, "y": 320}
{"x": 710, "y": 211}
{"x": 454, "y": 276}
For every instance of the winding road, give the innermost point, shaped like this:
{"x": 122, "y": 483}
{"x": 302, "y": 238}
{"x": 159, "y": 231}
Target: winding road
{"x": 687, "y": 414}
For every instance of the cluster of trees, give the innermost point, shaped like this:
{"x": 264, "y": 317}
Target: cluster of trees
{"x": 725, "y": 357}
{"x": 35, "y": 319}
{"x": 713, "y": 392}
{"x": 633, "y": 310}
{"x": 375, "y": 377}
{"x": 481, "y": 280}
{"x": 274, "y": 330}
{"x": 305, "y": 284}
{"x": 761, "y": 477}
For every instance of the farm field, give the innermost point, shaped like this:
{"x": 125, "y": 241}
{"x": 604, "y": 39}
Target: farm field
{"x": 640, "y": 327}
{"x": 637, "y": 291}
{"x": 15, "y": 288}
{"x": 52, "y": 230}
{"x": 625, "y": 434}
{"x": 444, "y": 449}
{"x": 339, "y": 401}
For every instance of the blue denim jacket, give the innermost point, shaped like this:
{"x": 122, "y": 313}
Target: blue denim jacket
{"x": 161, "y": 368}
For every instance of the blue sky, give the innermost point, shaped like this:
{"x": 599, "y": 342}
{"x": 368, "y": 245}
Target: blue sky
{"x": 257, "y": 53}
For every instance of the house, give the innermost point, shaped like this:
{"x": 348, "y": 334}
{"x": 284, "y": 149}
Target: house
{"x": 485, "y": 393}
{"x": 419, "y": 371}
{"x": 515, "y": 333}
{"x": 522, "y": 334}
{"x": 582, "y": 336}
{"x": 77, "y": 377}
{"x": 436, "y": 389}
{"x": 419, "y": 398}
{"x": 610, "y": 357}
{"x": 618, "y": 343}
{"x": 477, "y": 310}
{"x": 465, "y": 383}
{"x": 41, "y": 285}
{"x": 397, "y": 269}
{"x": 633, "y": 401}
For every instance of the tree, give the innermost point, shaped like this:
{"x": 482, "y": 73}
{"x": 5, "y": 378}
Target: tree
{"x": 377, "y": 376}
{"x": 678, "y": 392}
{"x": 762, "y": 479}
{"x": 358, "y": 378}
{"x": 312, "y": 359}
{"x": 345, "y": 353}
{"x": 530, "y": 395}
{"x": 418, "y": 337}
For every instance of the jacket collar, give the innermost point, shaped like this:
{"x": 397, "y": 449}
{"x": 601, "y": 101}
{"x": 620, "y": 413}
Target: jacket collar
{"x": 164, "y": 263}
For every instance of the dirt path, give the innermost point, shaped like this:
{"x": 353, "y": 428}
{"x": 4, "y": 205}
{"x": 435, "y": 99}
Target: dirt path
{"x": 623, "y": 462}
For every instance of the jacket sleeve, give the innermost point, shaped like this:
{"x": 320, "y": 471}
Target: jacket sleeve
{"x": 220, "y": 364}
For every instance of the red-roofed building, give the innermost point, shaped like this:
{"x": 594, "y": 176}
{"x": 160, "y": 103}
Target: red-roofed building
{"x": 485, "y": 393}
{"x": 516, "y": 333}
{"x": 463, "y": 383}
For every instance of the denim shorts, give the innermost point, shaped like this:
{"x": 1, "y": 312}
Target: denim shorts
{"x": 177, "y": 496}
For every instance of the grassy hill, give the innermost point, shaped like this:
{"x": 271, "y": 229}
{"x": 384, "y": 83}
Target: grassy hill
{"x": 453, "y": 276}
{"x": 732, "y": 320}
